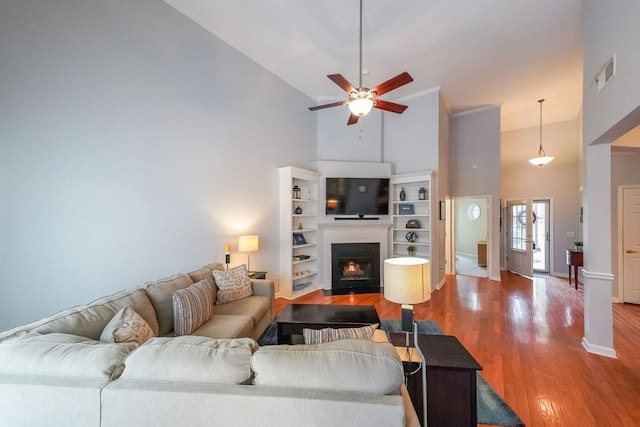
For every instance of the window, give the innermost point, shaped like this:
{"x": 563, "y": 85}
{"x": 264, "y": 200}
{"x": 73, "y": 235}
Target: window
{"x": 474, "y": 212}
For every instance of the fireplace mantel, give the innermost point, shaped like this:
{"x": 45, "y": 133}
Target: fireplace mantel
{"x": 350, "y": 231}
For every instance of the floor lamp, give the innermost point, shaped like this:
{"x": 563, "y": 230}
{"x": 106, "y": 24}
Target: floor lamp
{"x": 407, "y": 281}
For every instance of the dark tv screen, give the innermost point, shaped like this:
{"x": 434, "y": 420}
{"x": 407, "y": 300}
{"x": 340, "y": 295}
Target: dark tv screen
{"x": 357, "y": 196}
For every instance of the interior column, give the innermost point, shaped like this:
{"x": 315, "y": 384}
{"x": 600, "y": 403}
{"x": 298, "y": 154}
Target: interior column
{"x": 598, "y": 279}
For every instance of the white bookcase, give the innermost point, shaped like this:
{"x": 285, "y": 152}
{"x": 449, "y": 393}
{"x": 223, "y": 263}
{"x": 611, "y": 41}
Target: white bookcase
{"x": 298, "y": 261}
{"x": 415, "y": 208}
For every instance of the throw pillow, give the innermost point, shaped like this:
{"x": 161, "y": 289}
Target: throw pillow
{"x": 192, "y": 307}
{"x": 233, "y": 284}
{"x": 319, "y": 336}
{"x": 127, "y": 326}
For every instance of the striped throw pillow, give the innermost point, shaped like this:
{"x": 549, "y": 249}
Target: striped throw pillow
{"x": 319, "y": 336}
{"x": 192, "y": 306}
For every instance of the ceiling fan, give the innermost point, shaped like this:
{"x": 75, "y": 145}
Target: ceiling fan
{"x": 362, "y": 99}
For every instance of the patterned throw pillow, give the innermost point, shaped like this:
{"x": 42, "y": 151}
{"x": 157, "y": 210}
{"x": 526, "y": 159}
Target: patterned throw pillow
{"x": 233, "y": 284}
{"x": 127, "y": 326}
{"x": 192, "y": 306}
{"x": 319, "y": 336}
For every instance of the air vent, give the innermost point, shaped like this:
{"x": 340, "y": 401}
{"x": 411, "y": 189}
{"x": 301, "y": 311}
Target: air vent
{"x": 606, "y": 73}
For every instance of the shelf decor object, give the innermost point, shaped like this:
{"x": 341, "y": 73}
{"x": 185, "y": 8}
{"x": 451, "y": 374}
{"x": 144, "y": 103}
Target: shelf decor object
{"x": 297, "y": 194}
{"x": 248, "y": 244}
{"x": 405, "y": 209}
{"x": 422, "y": 193}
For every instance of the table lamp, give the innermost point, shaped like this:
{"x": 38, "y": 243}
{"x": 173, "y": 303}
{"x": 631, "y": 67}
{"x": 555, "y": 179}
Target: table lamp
{"x": 248, "y": 244}
{"x": 407, "y": 281}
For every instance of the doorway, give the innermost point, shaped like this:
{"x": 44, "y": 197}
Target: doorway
{"x": 528, "y": 236}
{"x": 470, "y": 236}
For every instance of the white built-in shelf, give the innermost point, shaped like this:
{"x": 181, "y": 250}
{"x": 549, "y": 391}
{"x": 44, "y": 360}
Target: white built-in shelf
{"x": 304, "y": 276}
{"x": 308, "y": 245}
{"x": 404, "y": 242}
{"x": 410, "y": 229}
{"x": 307, "y": 181}
{"x": 303, "y": 261}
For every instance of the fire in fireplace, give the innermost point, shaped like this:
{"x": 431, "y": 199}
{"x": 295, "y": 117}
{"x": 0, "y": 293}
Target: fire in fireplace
{"x": 355, "y": 268}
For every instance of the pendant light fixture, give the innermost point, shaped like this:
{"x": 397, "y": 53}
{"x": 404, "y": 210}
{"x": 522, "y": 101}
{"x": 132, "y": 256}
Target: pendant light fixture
{"x": 542, "y": 158}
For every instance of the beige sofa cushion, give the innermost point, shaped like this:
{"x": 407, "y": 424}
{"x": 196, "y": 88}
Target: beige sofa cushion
{"x": 348, "y": 365}
{"x": 160, "y": 295}
{"x": 63, "y": 355}
{"x": 192, "y": 306}
{"x": 89, "y": 320}
{"x": 226, "y": 326}
{"x": 254, "y": 306}
{"x": 206, "y": 273}
{"x": 192, "y": 359}
{"x": 127, "y": 326}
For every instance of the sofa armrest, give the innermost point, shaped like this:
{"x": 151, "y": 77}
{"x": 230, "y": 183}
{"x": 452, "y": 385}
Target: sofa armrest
{"x": 265, "y": 288}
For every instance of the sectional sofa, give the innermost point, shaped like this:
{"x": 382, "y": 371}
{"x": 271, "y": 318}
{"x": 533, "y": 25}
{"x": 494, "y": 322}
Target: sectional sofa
{"x": 58, "y": 372}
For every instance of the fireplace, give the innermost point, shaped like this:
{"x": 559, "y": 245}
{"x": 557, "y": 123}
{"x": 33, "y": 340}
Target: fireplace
{"x": 355, "y": 268}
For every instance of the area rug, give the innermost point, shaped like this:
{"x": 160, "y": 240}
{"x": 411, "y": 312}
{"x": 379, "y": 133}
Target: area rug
{"x": 492, "y": 409}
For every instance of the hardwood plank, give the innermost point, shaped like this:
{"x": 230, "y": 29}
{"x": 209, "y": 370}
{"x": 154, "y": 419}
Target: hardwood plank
{"x": 527, "y": 335}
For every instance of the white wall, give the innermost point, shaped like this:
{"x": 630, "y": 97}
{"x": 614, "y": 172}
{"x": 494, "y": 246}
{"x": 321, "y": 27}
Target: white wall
{"x": 134, "y": 144}
{"x": 361, "y": 142}
{"x": 611, "y": 29}
{"x": 475, "y": 169}
{"x": 410, "y": 139}
{"x": 557, "y": 181}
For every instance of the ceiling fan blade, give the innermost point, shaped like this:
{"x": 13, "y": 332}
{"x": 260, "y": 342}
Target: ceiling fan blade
{"x": 389, "y": 106}
{"x": 353, "y": 119}
{"x": 342, "y": 82}
{"x": 394, "y": 83}
{"x": 333, "y": 104}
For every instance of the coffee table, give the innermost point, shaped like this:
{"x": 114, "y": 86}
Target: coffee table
{"x": 296, "y": 317}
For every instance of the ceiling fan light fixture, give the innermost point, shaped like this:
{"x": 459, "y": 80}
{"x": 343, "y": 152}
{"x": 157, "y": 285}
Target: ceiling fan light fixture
{"x": 542, "y": 158}
{"x": 361, "y": 104}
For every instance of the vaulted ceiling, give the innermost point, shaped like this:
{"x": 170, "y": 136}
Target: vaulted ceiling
{"x": 505, "y": 52}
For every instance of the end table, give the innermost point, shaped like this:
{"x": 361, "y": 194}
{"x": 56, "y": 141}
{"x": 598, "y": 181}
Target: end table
{"x": 451, "y": 380}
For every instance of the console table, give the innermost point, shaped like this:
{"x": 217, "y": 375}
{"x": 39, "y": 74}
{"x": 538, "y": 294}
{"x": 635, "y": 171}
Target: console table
{"x": 451, "y": 380}
{"x": 575, "y": 259}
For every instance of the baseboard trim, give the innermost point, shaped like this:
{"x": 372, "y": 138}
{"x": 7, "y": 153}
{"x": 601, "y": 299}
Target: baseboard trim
{"x": 598, "y": 349}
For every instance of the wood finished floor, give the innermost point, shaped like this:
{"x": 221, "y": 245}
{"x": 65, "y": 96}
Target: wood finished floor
{"x": 527, "y": 337}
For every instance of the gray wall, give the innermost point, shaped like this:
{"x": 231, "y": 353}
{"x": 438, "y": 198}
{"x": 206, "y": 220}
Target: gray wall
{"x": 475, "y": 169}
{"x": 133, "y": 145}
{"x": 557, "y": 181}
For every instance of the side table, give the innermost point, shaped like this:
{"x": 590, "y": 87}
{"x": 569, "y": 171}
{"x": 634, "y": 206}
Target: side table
{"x": 257, "y": 275}
{"x": 451, "y": 380}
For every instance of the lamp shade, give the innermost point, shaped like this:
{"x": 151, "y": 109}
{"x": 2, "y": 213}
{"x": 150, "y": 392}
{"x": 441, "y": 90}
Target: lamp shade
{"x": 407, "y": 280}
{"x": 248, "y": 243}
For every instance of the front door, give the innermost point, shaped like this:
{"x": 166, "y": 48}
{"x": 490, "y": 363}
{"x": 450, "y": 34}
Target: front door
{"x": 631, "y": 244}
{"x": 520, "y": 237}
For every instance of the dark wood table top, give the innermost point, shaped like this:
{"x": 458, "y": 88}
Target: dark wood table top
{"x": 444, "y": 351}
{"x": 329, "y": 314}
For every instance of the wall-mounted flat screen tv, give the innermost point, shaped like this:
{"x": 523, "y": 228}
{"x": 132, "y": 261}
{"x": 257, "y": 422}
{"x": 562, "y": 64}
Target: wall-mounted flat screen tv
{"x": 357, "y": 196}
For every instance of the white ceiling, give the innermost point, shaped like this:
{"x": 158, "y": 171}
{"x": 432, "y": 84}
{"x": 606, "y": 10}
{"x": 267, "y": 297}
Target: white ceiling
{"x": 480, "y": 52}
